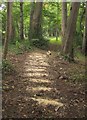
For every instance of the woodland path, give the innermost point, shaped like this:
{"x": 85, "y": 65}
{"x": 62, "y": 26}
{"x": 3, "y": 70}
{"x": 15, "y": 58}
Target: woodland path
{"x": 41, "y": 89}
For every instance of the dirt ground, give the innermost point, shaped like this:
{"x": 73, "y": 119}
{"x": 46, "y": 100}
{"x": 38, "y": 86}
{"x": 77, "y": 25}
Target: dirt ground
{"x": 43, "y": 87}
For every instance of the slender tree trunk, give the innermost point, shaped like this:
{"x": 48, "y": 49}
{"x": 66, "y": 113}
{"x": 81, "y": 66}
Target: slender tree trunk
{"x": 84, "y": 45}
{"x": 57, "y": 23}
{"x": 8, "y": 28}
{"x": 17, "y": 30}
{"x": 31, "y": 18}
{"x": 35, "y": 21}
{"x": 25, "y": 31}
{"x": 82, "y": 16}
{"x": 71, "y": 27}
{"x": 21, "y": 21}
{"x": 64, "y": 21}
{"x": 13, "y": 30}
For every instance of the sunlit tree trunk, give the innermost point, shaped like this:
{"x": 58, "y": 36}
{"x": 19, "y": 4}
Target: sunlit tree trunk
{"x": 8, "y": 28}
{"x": 21, "y": 21}
{"x": 35, "y": 21}
{"x": 71, "y": 28}
{"x": 64, "y": 21}
{"x": 84, "y": 45}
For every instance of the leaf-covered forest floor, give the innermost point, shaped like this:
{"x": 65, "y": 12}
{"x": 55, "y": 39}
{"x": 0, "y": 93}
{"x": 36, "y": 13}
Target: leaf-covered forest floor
{"x": 43, "y": 86}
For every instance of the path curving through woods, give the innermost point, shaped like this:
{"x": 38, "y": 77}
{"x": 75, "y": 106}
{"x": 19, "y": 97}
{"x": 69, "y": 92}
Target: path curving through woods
{"x": 38, "y": 90}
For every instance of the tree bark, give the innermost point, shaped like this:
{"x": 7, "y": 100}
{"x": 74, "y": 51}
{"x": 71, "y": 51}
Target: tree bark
{"x": 57, "y": 23}
{"x": 64, "y": 21}
{"x": 71, "y": 27}
{"x": 8, "y": 28}
{"x": 13, "y": 34}
{"x": 84, "y": 45}
{"x": 35, "y": 21}
{"x": 21, "y": 21}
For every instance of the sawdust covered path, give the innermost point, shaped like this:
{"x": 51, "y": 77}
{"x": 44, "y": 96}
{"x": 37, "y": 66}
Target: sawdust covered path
{"x": 42, "y": 88}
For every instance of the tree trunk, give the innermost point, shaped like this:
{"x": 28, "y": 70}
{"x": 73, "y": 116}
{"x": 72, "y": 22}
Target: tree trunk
{"x": 8, "y": 28}
{"x": 13, "y": 30}
{"x": 71, "y": 27}
{"x": 21, "y": 21}
{"x": 84, "y": 45}
{"x": 64, "y": 21}
{"x": 35, "y": 21}
{"x": 82, "y": 16}
{"x": 57, "y": 23}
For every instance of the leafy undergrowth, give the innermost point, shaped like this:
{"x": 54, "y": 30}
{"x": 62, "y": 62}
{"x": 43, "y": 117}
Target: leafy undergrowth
{"x": 80, "y": 56}
{"x": 19, "y": 47}
{"x": 44, "y": 88}
{"x": 42, "y": 44}
{"x": 7, "y": 68}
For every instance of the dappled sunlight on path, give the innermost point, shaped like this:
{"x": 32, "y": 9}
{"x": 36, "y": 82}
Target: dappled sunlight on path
{"x": 38, "y": 88}
{"x": 42, "y": 88}
{"x": 40, "y": 80}
{"x": 36, "y": 72}
{"x": 48, "y": 101}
